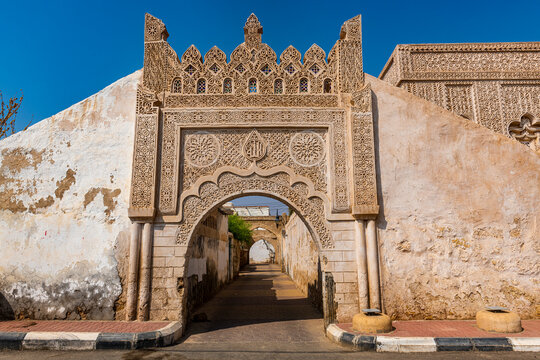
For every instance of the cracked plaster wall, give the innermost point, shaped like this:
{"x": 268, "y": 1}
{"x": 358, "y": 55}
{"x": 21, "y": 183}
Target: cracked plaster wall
{"x": 459, "y": 224}
{"x": 64, "y": 189}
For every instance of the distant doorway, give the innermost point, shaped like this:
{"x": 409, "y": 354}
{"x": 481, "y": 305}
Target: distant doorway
{"x": 262, "y": 252}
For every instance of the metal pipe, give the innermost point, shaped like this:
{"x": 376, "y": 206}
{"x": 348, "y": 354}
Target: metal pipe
{"x": 133, "y": 271}
{"x": 146, "y": 272}
{"x": 373, "y": 265}
{"x": 361, "y": 266}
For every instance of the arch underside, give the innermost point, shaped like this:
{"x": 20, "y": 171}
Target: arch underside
{"x": 281, "y": 186}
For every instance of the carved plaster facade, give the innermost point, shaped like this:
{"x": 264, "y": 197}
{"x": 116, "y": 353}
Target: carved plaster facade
{"x": 209, "y": 130}
{"x": 496, "y": 85}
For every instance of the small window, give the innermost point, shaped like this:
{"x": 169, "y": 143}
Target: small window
{"x": 240, "y": 68}
{"x": 303, "y": 85}
{"x": 201, "y": 86}
{"x": 327, "y": 86}
{"x": 190, "y": 70}
{"x": 214, "y": 68}
{"x": 278, "y": 86}
{"x": 252, "y": 85}
{"x": 290, "y": 69}
{"x": 266, "y": 70}
{"x": 227, "y": 86}
{"x": 176, "y": 86}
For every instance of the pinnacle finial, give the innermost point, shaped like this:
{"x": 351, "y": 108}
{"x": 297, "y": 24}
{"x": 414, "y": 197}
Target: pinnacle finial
{"x": 252, "y": 31}
{"x": 352, "y": 29}
{"x": 252, "y": 20}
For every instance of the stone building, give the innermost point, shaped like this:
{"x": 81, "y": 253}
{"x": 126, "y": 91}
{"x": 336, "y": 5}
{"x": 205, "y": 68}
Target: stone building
{"x": 496, "y": 85}
{"x": 409, "y": 207}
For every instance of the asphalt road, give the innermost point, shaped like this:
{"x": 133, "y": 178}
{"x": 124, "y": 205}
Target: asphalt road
{"x": 255, "y": 353}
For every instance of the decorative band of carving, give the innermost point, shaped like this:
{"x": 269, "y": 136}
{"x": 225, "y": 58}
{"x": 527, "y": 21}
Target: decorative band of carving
{"x": 144, "y": 164}
{"x": 228, "y": 186}
{"x": 249, "y": 100}
{"x": 227, "y": 127}
{"x": 365, "y": 185}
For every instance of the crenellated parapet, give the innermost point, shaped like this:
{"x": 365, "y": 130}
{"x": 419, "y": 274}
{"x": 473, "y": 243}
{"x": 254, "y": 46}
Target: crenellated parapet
{"x": 252, "y": 69}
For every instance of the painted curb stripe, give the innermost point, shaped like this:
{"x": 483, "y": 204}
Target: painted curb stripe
{"x": 49, "y": 340}
{"x": 454, "y": 344}
{"x": 41, "y": 340}
{"x": 525, "y": 344}
{"x": 429, "y": 344}
{"x": 147, "y": 339}
{"x": 365, "y": 343}
{"x": 334, "y": 332}
{"x": 409, "y": 344}
{"x": 491, "y": 344}
{"x": 11, "y": 340}
{"x": 123, "y": 341}
{"x": 347, "y": 338}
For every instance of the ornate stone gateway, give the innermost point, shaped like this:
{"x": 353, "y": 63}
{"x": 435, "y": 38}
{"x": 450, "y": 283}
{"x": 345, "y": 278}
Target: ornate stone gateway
{"x": 209, "y": 130}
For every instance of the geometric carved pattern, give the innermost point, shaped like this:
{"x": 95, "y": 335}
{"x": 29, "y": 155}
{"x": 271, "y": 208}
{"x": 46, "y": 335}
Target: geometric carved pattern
{"x": 525, "y": 130}
{"x": 491, "y": 84}
{"x": 255, "y": 146}
{"x": 351, "y": 73}
{"x": 251, "y": 115}
{"x": 365, "y": 186}
{"x": 144, "y": 159}
{"x": 279, "y": 126}
{"x": 211, "y": 195}
{"x": 201, "y": 150}
{"x": 459, "y": 100}
{"x": 307, "y": 148}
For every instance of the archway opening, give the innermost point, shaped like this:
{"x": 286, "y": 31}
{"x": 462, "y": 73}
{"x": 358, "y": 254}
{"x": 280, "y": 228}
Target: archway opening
{"x": 262, "y": 252}
{"x": 273, "y": 276}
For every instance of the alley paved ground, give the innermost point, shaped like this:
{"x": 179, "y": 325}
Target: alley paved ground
{"x": 261, "y": 315}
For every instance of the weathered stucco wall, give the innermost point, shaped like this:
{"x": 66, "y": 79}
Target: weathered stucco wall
{"x": 460, "y": 212}
{"x": 208, "y": 260}
{"x": 64, "y": 186}
{"x": 261, "y": 252}
{"x": 301, "y": 259}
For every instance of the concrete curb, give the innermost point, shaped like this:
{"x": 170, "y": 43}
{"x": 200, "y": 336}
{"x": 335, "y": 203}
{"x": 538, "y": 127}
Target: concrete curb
{"x": 90, "y": 340}
{"x": 429, "y": 344}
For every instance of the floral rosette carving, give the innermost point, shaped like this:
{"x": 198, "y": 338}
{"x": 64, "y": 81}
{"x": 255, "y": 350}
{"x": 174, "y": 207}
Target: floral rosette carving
{"x": 307, "y": 148}
{"x": 201, "y": 149}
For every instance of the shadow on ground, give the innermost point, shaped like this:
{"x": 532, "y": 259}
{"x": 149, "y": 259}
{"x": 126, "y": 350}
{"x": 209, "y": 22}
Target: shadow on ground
{"x": 261, "y": 301}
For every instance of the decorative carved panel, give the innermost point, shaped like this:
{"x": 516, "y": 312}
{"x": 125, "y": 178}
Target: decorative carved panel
{"x": 276, "y": 128}
{"x": 209, "y": 127}
{"x": 493, "y": 84}
{"x": 229, "y": 184}
{"x": 459, "y": 100}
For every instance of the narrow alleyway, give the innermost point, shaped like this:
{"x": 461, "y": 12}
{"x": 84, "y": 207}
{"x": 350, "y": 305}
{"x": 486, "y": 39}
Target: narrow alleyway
{"x": 262, "y": 309}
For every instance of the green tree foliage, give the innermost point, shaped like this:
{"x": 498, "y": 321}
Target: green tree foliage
{"x": 240, "y": 229}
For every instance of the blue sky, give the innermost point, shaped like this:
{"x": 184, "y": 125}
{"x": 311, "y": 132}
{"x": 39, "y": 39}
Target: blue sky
{"x": 60, "y": 52}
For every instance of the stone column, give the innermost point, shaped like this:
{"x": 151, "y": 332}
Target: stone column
{"x": 361, "y": 268}
{"x": 146, "y": 272}
{"x": 133, "y": 271}
{"x": 373, "y": 265}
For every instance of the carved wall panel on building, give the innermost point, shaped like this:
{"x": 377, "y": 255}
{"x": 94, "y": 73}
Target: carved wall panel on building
{"x": 494, "y": 85}
{"x": 251, "y": 116}
{"x": 275, "y": 127}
